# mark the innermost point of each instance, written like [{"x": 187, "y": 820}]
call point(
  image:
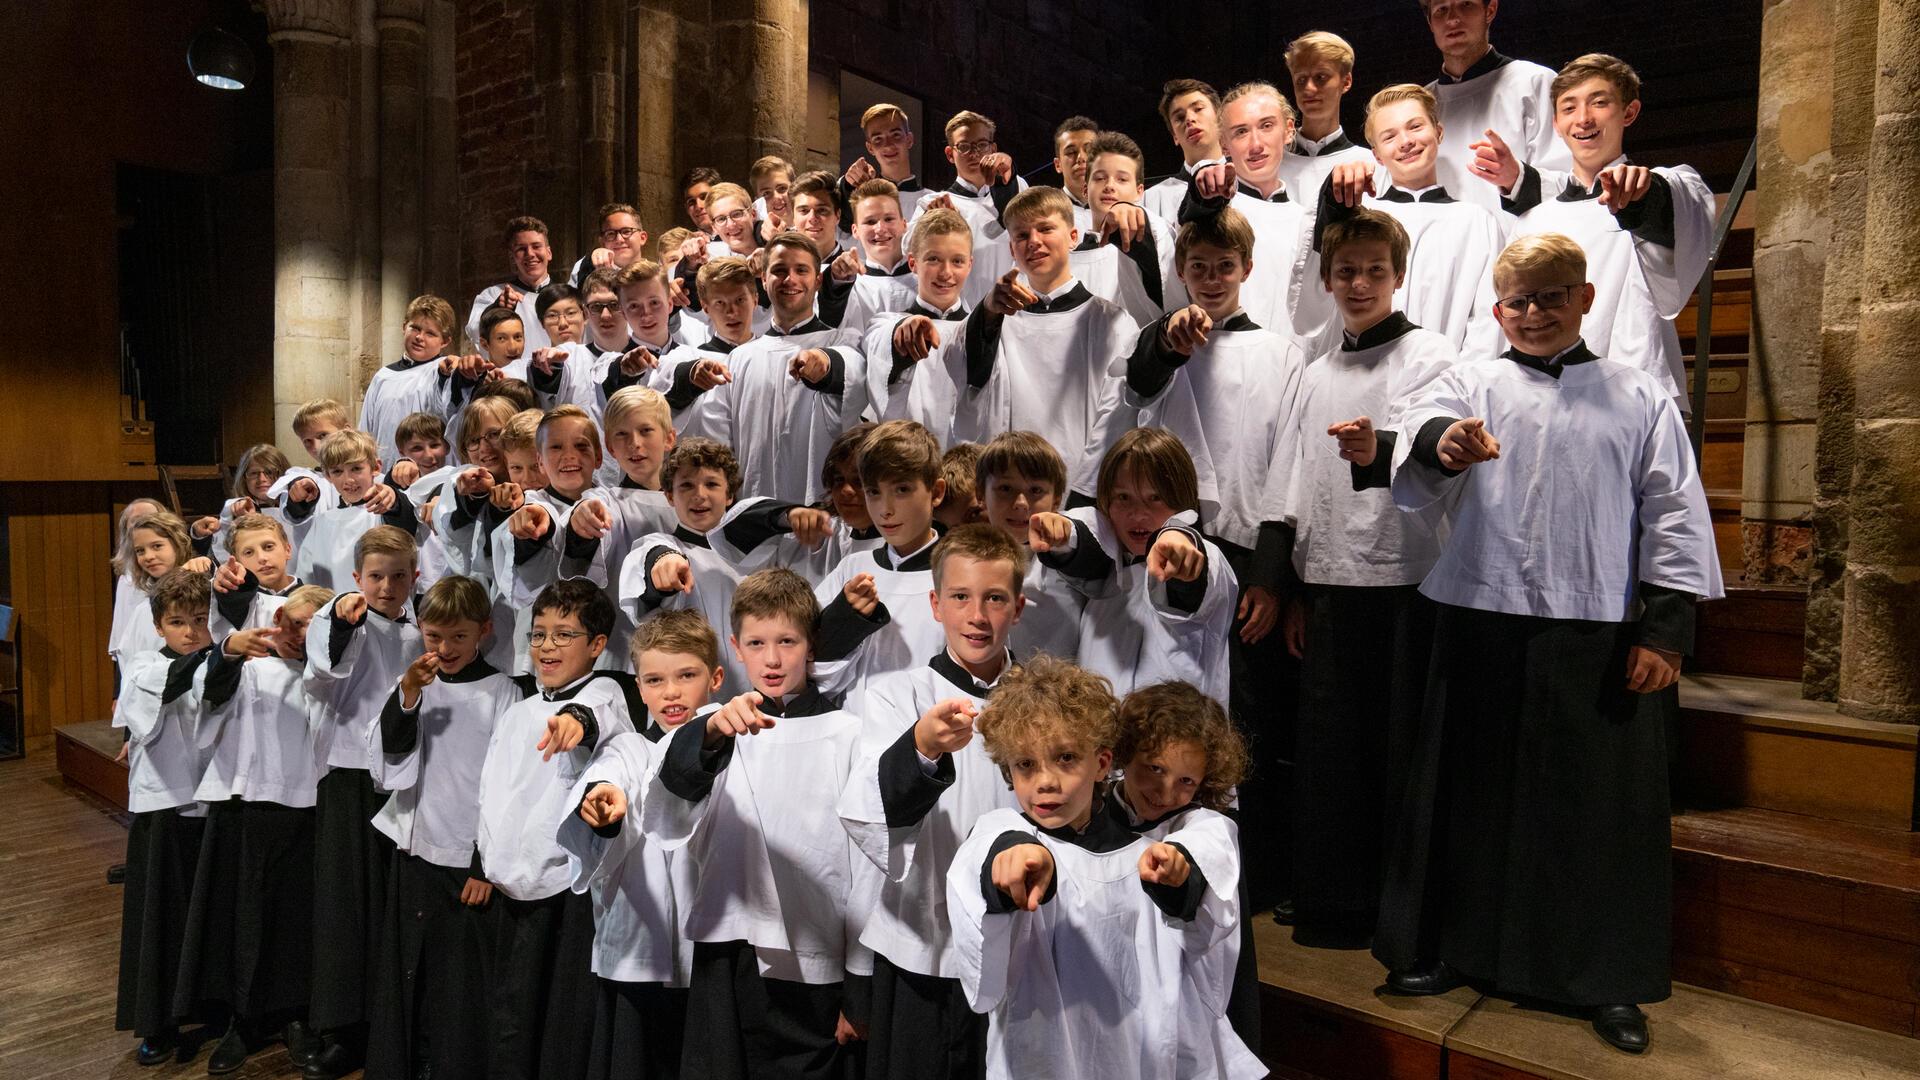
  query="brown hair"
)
[
  {"x": 1115, "y": 142},
  {"x": 384, "y": 540},
  {"x": 876, "y": 188},
  {"x": 967, "y": 118},
  {"x": 169, "y": 526},
  {"x": 681, "y": 631},
  {"x": 1021, "y": 452},
  {"x": 795, "y": 240},
  {"x": 455, "y": 599},
  {"x": 957, "y": 467},
  {"x": 699, "y": 453},
  {"x": 524, "y": 223},
  {"x": 818, "y": 182},
  {"x": 1399, "y": 92},
  {"x": 1364, "y": 226},
  {"x": 1044, "y": 698},
  {"x": 433, "y": 308},
  {"x": 699, "y": 174},
  {"x": 1229, "y": 229},
  {"x": 767, "y": 166},
  {"x": 419, "y": 425},
  {"x": 180, "y": 590},
  {"x": 1179, "y": 88},
  {"x": 845, "y": 447},
  {"x": 728, "y": 271},
  {"x": 899, "y": 449},
  {"x": 775, "y": 592},
  {"x": 1320, "y": 45},
  {"x": 1075, "y": 123},
  {"x": 938, "y": 222},
  {"x": 607, "y": 210},
  {"x": 638, "y": 272},
  {"x": 344, "y": 447},
  {"x": 1154, "y": 456},
  {"x": 671, "y": 240},
  {"x": 1625, "y": 80},
  {"x": 497, "y": 407},
  {"x": 982, "y": 543},
  {"x": 522, "y": 431},
  {"x": 1153, "y": 717},
  {"x": 1038, "y": 202},
  {"x": 495, "y": 317},
  {"x": 267, "y": 456}
]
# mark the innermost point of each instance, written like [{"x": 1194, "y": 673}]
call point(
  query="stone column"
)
[
  {"x": 759, "y": 80},
  {"x": 661, "y": 89},
  {"x": 1789, "y": 259},
  {"x": 312, "y": 206},
  {"x": 1879, "y": 667},
  {"x": 401, "y": 26},
  {"x": 1853, "y": 23},
  {"x": 441, "y": 194}
]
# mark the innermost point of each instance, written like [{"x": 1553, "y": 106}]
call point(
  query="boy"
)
[
  {"x": 1321, "y": 67},
  {"x": 1071, "y": 142},
  {"x": 693, "y": 196},
  {"x": 607, "y": 327},
  {"x": 984, "y": 182},
  {"x": 159, "y": 706},
  {"x": 529, "y": 255},
  {"x": 527, "y": 549},
  {"x": 1085, "y": 944},
  {"x": 727, "y": 291},
  {"x": 774, "y": 931},
  {"x": 312, "y": 423},
  {"x": 731, "y": 210},
  {"x": 639, "y": 891},
  {"x": 1191, "y": 110},
  {"x": 541, "y": 998},
  {"x": 1160, "y": 609},
  {"x": 1354, "y": 573},
  {"x": 363, "y": 643},
  {"x": 1040, "y": 356},
  {"x": 352, "y": 463},
  {"x": 561, "y": 314},
  {"x": 254, "y": 580},
  {"x": 1449, "y": 280},
  {"x": 910, "y": 375},
  {"x": 1258, "y": 124},
  {"x": 885, "y": 282},
  {"x": 414, "y": 383},
  {"x": 651, "y": 323},
  {"x": 961, "y": 506},
  {"x": 428, "y": 1004},
  {"x": 421, "y": 439},
  {"x": 1019, "y": 475},
  {"x": 817, "y": 216},
  {"x": 504, "y": 338},
  {"x": 1127, "y": 254},
  {"x": 622, "y": 240},
  {"x": 900, "y": 473},
  {"x": 889, "y": 138},
  {"x": 1553, "y": 670},
  {"x": 1647, "y": 233},
  {"x": 249, "y": 937},
  {"x": 1493, "y": 102},
  {"x": 770, "y": 179},
  {"x": 788, "y": 393},
  {"x": 921, "y": 782}
]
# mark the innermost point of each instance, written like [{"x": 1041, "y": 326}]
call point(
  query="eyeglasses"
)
[
  {"x": 974, "y": 148},
  {"x": 733, "y": 215},
  {"x": 561, "y": 638},
  {"x": 618, "y": 234},
  {"x": 491, "y": 438},
  {"x": 1553, "y": 296},
  {"x": 603, "y": 307}
]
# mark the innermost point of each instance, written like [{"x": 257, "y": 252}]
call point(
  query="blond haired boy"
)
[{"x": 1321, "y": 67}]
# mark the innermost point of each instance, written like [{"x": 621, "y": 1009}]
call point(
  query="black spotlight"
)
[{"x": 220, "y": 59}]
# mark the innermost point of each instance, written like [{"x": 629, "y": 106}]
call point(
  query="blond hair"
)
[
  {"x": 568, "y": 412},
  {"x": 982, "y": 543},
  {"x": 1541, "y": 253},
  {"x": 171, "y": 529},
  {"x": 246, "y": 523},
  {"x": 522, "y": 432},
  {"x": 777, "y": 592},
  {"x": 1625, "y": 80},
  {"x": 1319, "y": 45},
  {"x": 384, "y": 540},
  {"x": 434, "y": 309},
  {"x": 320, "y": 409},
  {"x": 683, "y": 631},
  {"x": 671, "y": 240},
  {"x": 638, "y": 272},
  {"x": 343, "y": 448},
  {"x": 133, "y": 511},
  {"x": 1038, "y": 202},
  {"x": 967, "y": 118},
  {"x": 1399, "y": 92},
  {"x": 637, "y": 399},
  {"x": 312, "y": 597},
  {"x": 726, "y": 272},
  {"x": 728, "y": 191},
  {"x": 1044, "y": 700},
  {"x": 939, "y": 222},
  {"x": 884, "y": 111},
  {"x": 1249, "y": 89}
]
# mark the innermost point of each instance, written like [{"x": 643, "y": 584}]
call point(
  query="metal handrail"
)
[{"x": 1703, "y": 323}]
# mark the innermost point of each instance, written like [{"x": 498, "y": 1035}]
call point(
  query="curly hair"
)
[
  {"x": 1154, "y": 717},
  {"x": 1044, "y": 699}
]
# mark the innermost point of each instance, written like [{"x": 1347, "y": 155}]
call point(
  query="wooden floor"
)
[{"x": 60, "y": 936}]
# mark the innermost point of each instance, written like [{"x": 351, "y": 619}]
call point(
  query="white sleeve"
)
[
  {"x": 592, "y": 858},
  {"x": 1673, "y": 273},
  {"x": 667, "y": 819},
  {"x": 1414, "y": 486},
  {"x": 401, "y": 771},
  {"x": 520, "y": 583},
  {"x": 983, "y": 942},
  {"x": 862, "y": 810},
  {"x": 1676, "y": 548},
  {"x": 138, "y": 708}
]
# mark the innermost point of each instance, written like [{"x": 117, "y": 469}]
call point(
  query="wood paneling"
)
[{"x": 59, "y": 537}]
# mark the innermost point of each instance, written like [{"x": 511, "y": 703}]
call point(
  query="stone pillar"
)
[
  {"x": 601, "y": 110},
  {"x": 759, "y": 80},
  {"x": 1789, "y": 259},
  {"x": 441, "y": 192},
  {"x": 401, "y": 26},
  {"x": 1853, "y": 23},
  {"x": 662, "y": 90},
  {"x": 313, "y": 66},
  {"x": 1879, "y": 668}
]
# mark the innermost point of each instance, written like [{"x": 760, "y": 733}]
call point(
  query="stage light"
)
[{"x": 220, "y": 60}]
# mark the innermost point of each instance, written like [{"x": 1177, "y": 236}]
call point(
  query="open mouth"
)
[
  {"x": 1047, "y": 809},
  {"x": 773, "y": 679},
  {"x": 977, "y": 640},
  {"x": 673, "y": 715}
]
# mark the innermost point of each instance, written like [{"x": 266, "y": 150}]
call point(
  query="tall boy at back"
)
[
  {"x": 529, "y": 254},
  {"x": 1321, "y": 66},
  {"x": 889, "y": 138},
  {"x": 1491, "y": 101},
  {"x": 1191, "y": 110},
  {"x": 413, "y": 383},
  {"x": 1556, "y": 650}
]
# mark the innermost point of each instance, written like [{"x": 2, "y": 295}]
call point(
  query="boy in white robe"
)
[
  {"x": 255, "y": 579},
  {"x": 640, "y": 891},
  {"x": 889, "y": 141},
  {"x": 1321, "y": 67},
  {"x": 1127, "y": 254},
  {"x": 1020, "y": 475},
  {"x": 541, "y": 1000},
  {"x": 1647, "y": 232},
  {"x": 529, "y": 254},
  {"x": 884, "y": 281},
  {"x": 1090, "y": 948},
  {"x": 984, "y": 182},
  {"x": 1578, "y": 541},
  {"x": 727, "y": 291},
  {"x": 555, "y": 469},
  {"x": 909, "y": 373},
  {"x": 921, "y": 782},
  {"x": 417, "y": 382},
  {"x": 1191, "y": 109},
  {"x": 324, "y": 555},
  {"x": 428, "y": 1008},
  {"x": 746, "y": 793},
  {"x": 790, "y": 393},
  {"x": 1491, "y": 102}
]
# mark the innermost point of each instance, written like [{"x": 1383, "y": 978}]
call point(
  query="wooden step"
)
[
  {"x": 85, "y": 754},
  {"x": 1749, "y": 742},
  {"x": 1757, "y": 630},
  {"x": 1815, "y": 915}
]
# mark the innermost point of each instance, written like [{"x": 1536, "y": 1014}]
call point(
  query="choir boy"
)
[
  {"x": 693, "y": 196},
  {"x": 746, "y": 794},
  {"x": 413, "y": 383},
  {"x": 885, "y": 281},
  {"x": 961, "y": 506},
  {"x": 1535, "y": 855},
  {"x": 541, "y": 997},
  {"x": 325, "y": 554},
  {"x": 921, "y": 782},
  {"x": 727, "y": 289},
  {"x": 622, "y": 240},
  {"x": 770, "y": 179},
  {"x": 1071, "y": 141},
  {"x": 529, "y": 255},
  {"x": 911, "y": 362},
  {"x": 1019, "y": 475},
  {"x": 889, "y": 139},
  {"x": 1321, "y": 66},
  {"x": 1126, "y": 256},
  {"x": 427, "y": 1010},
  {"x": 1492, "y": 101},
  {"x": 1093, "y": 951},
  {"x": 255, "y": 578},
  {"x": 1191, "y": 110}
]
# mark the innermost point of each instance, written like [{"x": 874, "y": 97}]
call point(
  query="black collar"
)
[
  {"x": 874, "y": 270},
  {"x": 476, "y": 669},
  {"x": 1402, "y": 195},
  {"x": 911, "y": 183},
  {"x": 525, "y": 289},
  {"x": 167, "y": 651},
  {"x": 572, "y": 690},
  {"x": 1117, "y": 808},
  {"x": 949, "y": 669},
  {"x": 559, "y": 498},
  {"x": 398, "y": 620},
  {"x": 1252, "y": 192},
  {"x": 653, "y": 732},
  {"x": 811, "y": 326},
  {"x": 918, "y": 308},
  {"x": 962, "y": 188},
  {"x": 1577, "y": 353},
  {"x": 1392, "y": 327},
  {"x": 1090, "y": 242},
  {"x": 1490, "y": 62},
  {"x": 1576, "y": 192},
  {"x": 1102, "y": 833},
  {"x": 627, "y": 484},
  {"x": 919, "y": 560},
  {"x": 404, "y": 364},
  {"x": 1340, "y": 142},
  {"x": 682, "y": 533},
  {"x": 718, "y": 345},
  {"x": 1066, "y": 301},
  {"x": 808, "y": 702},
  {"x": 871, "y": 532},
  {"x": 1237, "y": 321}
]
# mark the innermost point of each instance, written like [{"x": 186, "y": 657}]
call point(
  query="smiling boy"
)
[
  {"x": 414, "y": 383},
  {"x": 529, "y": 255}
]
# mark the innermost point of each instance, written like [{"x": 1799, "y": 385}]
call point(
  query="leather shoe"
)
[
  {"x": 302, "y": 1043},
  {"x": 155, "y": 1049},
  {"x": 1283, "y": 912},
  {"x": 230, "y": 1054},
  {"x": 332, "y": 1062},
  {"x": 1438, "y": 978},
  {"x": 1624, "y": 1027}
]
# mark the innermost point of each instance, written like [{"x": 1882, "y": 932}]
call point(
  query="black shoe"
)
[
  {"x": 1624, "y": 1027},
  {"x": 155, "y": 1049},
  {"x": 302, "y": 1044},
  {"x": 1438, "y": 978},
  {"x": 230, "y": 1054},
  {"x": 1283, "y": 912},
  {"x": 331, "y": 1063}
]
